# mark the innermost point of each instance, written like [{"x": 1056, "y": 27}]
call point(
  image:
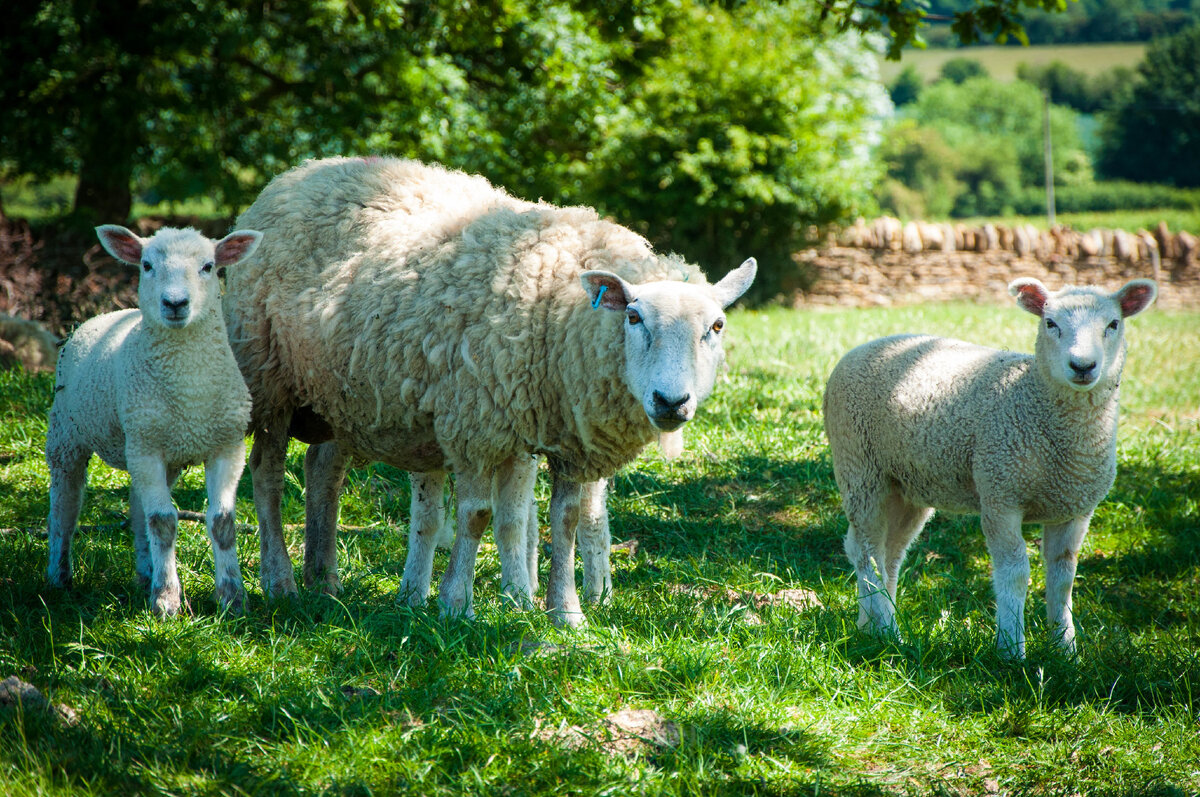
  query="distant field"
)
[
  {"x": 1131, "y": 220},
  {"x": 1001, "y": 62}
]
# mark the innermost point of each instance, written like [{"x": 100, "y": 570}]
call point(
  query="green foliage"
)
[
  {"x": 962, "y": 69},
  {"x": 1076, "y": 88},
  {"x": 735, "y": 153},
  {"x": 906, "y": 87},
  {"x": 1153, "y": 135},
  {"x": 1086, "y": 21},
  {"x": 357, "y": 695},
  {"x": 922, "y": 170}
]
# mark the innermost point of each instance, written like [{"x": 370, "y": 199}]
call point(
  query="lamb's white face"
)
[
  {"x": 674, "y": 338},
  {"x": 1082, "y": 336},
  {"x": 178, "y": 269}
]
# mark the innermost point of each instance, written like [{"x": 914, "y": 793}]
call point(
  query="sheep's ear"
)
[
  {"x": 735, "y": 283},
  {"x": 1031, "y": 294},
  {"x": 237, "y": 246},
  {"x": 607, "y": 290},
  {"x": 1136, "y": 296},
  {"x": 121, "y": 243}
]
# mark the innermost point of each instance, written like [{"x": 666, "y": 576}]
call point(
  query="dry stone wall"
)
[{"x": 885, "y": 262}]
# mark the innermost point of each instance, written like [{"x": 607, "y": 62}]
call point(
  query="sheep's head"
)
[
  {"x": 178, "y": 269},
  {"x": 1081, "y": 340},
  {"x": 674, "y": 337}
]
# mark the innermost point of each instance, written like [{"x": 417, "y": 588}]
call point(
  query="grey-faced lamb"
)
[
  {"x": 917, "y": 423},
  {"x": 422, "y": 317},
  {"x": 152, "y": 391}
]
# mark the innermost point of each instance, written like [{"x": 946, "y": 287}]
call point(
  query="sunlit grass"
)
[{"x": 355, "y": 695}]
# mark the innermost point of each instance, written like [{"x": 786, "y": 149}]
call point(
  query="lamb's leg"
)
[
  {"x": 324, "y": 476},
  {"x": 1060, "y": 547},
  {"x": 1010, "y": 577},
  {"x": 532, "y": 540},
  {"x": 905, "y": 522},
  {"x": 424, "y": 528},
  {"x": 267, "y": 459},
  {"x": 562, "y": 602},
  {"x": 68, "y": 477},
  {"x": 474, "y": 512},
  {"x": 137, "y": 524},
  {"x": 148, "y": 478},
  {"x": 866, "y": 547},
  {"x": 221, "y": 474},
  {"x": 595, "y": 542},
  {"x": 512, "y": 491}
]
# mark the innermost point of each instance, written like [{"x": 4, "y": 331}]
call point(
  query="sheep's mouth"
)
[{"x": 668, "y": 423}]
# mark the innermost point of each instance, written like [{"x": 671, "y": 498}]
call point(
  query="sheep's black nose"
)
[
  {"x": 1082, "y": 369},
  {"x": 175, "y": 307},
  {"x": 666, "y": 406}
]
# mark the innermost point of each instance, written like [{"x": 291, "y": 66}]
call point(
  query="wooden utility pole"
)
[{"x": 1049, "y": 153}]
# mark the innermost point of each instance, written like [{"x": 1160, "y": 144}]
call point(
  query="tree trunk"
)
[{"x": 112, "y": 134}]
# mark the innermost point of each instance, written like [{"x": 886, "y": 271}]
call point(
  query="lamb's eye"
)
[
  {"x": 146, "y": 266},
  {"x": 207, "y": 267},
  {"x": 634, "y": 317},
  {"x": 718, "y": 325},
  {"x": 1051, "y": 325},
  {"x": 1114, "y": 326}
]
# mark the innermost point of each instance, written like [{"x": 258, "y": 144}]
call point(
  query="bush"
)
[
  {"x": 907, "y": 86},
  {"x": 961, "y": 69},
  {"x": 921, "y": 170},
  {"x": 1077, "y": 89}
]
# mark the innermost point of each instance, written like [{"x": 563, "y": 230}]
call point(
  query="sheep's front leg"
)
[
  {"x": 324, "y": 476},
  {"x": 424, "y": 530},
  {"x": 474, "y": 512},
  {"x": 595, "y": 542},
  {"x": 1010, "y": 577},
  {"x": 68, "y": 476},
  {"x": 1060, "y": 547},
  {"x": 512, "y": 492},
  {"x": 562, "y": 602},
  {"x": 267, "y": 459},
  {"x": 221, "y": 474},
  {"x": 137, "y": 524},
  {"x": 148, "y": 479}
]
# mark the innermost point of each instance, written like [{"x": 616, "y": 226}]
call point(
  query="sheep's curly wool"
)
[{"x": 432, "y": 319}]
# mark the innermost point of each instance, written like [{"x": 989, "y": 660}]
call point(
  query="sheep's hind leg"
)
[
  {"x": 148, "y": 478},
  {"x": 267, "y": 460},
  {"x": 1010, "y": 577},
  {"x": 1060, "y": 547},
  {"x": 512, "y": 492},
  {"x": 866, "y": 547},
  {"x": 532, "y": 540},
  {"x": 324, "y": 476},
  {"x": 425, "y": 522},
  {"x": 562, "y": 601},
  {"x": 595, "y": 542},
  {"x": 474, "y": 512},
  {"x": 221, "y": 475},
  {"x": 68, "y": 477},
  {"x": 905, "y": 522}
]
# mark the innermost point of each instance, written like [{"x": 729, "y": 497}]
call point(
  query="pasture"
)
[
  {"x": 356, "y": 695},
  {"x": 1001, "y": 61}
]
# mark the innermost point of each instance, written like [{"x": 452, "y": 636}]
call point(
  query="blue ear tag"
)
[{"x": 599, "y": 296}]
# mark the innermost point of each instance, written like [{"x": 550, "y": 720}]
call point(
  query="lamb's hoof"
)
[
  {"x": 514, "y": 599},
  {"x": 282, "y": 588},
  {"x": 454, "y": 610},
  {"x": 567, "y": 618},
  {"x": 411, "y": 598},
  {"x": 166, "y": 603},
  {"x": 232, "y": 597}
]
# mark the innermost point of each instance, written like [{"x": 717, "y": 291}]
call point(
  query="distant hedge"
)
[{"x": 1100, "y": 197}]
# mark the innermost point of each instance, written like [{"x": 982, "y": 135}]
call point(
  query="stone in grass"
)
[
  {"x": 629, "y": 732},
  {"x": 14, "y": 692}
]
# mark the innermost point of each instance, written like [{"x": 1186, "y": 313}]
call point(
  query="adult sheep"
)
[
  {"x": 424, "y": 318},
  {"x": 152, "y": 391},
  {"x": 917, "y": 423}
]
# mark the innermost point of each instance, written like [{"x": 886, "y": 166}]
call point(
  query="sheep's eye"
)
[
  {"x": 718, "y": 325},
  {"x": 633, "y": 316},
  {"x": 207, "y": 267},
  {"x": 1113, "y": 326},
  {"x": 1051, "y": 325},
  {"x": 146, "y": 266}
]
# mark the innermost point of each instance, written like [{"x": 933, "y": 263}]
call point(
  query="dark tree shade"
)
[{"x": 1153, "y": 135}]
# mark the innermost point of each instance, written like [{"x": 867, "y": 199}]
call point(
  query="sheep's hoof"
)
[
  {"x": 166, "y": 603},
  {"x": 232, "y": 597},
  {"x": 453, "y": 610},
  {"x": 565, "y": 618}
]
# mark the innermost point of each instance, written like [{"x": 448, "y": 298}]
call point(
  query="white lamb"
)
[
  {"x": 152, "y": 391},
  {"x": 917, "y": 423},
  {"x": 424, "y": 318}
]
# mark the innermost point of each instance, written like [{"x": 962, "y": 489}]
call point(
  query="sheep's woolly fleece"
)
[{"x": 434, "y": 319}]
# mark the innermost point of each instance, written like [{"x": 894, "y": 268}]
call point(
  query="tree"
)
[
  {"x": 907, "y": 86},
  {"x": 1153, "y": 135},
  {"x": 960, "y": 70}
]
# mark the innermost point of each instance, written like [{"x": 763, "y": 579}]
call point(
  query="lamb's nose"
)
[
  {"x": 1082, "y": 369},
  {"x": 175, "y": 306},
  {"x": 666, "y": 406}
]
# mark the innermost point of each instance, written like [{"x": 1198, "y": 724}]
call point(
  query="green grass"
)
[
  {"x": 1001, "y": 62},
  {"x": 359, "y": 696},
  {"x": 1131, "y": 220}
]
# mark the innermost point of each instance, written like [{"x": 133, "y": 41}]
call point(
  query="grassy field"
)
[
  {"x": 1001, "y": 62},
  {"x": 355, "y": 695},
  {"x": 1131, "y": 220}
]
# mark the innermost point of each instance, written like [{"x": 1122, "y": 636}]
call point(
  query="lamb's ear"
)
[
  {"x": 1031, "y": 294},
  {"x": 607, "y": 290},
  {"x": 735, "y": 283},
  {"x": 237, "y": 246},
  {"x": 121, "y": 243},
  {"x": 1136, "y": 296}
]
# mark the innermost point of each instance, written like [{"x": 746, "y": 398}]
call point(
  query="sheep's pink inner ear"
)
[
  {"x": 236, "y": 246},
  {"x": 1031, "y": 297},
  {"x": 1136, "y": 297},
  {"x": 606, "y": 290},
  {"x": 121, "y": 243}
]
